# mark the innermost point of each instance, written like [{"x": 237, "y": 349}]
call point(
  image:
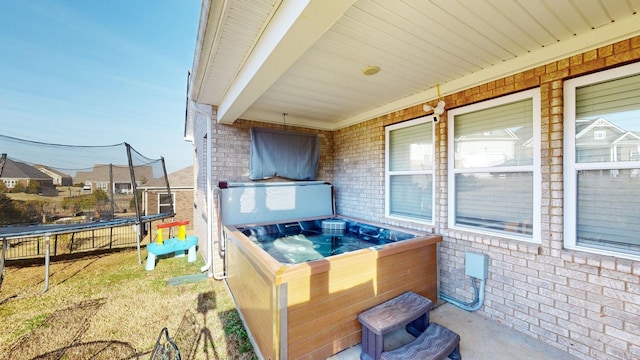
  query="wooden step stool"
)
[
  {"x": 409, "y": 309},
  {"x": 435, "y": 343}
]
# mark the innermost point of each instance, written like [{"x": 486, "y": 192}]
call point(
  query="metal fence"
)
[
  {"x": 70, "y": 240},
  {"x": 109, "y": 236},
  {"x": 79, "y": 241}
]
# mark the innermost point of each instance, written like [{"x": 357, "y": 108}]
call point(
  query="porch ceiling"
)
[{"x": 256, "y": 60}]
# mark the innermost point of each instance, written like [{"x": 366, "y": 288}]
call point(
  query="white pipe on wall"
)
[
  {"x": 210, "y": 265},
  {"x": 207, "y": 157}
]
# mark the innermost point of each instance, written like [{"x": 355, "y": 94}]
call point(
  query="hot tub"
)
[
  {"x": 307, "y": 306},
  {"x": 296, "y": 242}
]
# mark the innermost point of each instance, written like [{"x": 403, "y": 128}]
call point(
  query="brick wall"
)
[
  {"x": 585, "y": 304},
  {"x": 231, "y": 144},
  {"x": 359, "y": 170},
  {"x": 184, "y": 204}
]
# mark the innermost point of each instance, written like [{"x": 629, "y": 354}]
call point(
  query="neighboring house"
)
[
  {"x": 14, "y": 172},
  {"x": 155, "y": 198},
  {"x": 600, "y": 140},
  {"x": 59, "y": 178},
  {"x": 102, "y": 175},
  {"x": 553, "y": 198}
]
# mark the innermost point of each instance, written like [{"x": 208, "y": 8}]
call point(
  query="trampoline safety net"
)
[{"x": 45, "y": 183}]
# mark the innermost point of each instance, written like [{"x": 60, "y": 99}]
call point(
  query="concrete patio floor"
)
[{"x": 480, "y": 339}]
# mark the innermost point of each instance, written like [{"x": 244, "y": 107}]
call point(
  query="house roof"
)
[
  {"x": 19, "y": 170},
  {"x": 260, "y": 60},
  {"x": 100, "y": 172},
  {"x": 181, "y": 178},
  {"x": 52, "y": 171},
  {"x": 612, "y": 134}
]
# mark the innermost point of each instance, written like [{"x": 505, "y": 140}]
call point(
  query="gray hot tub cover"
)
[{"x": 281, "y": 153}]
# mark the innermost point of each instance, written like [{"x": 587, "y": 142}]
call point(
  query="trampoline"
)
[
  {"x": 20, "y": 231},
  {"x": 62, "y": 180},
  {"x": 8, "y": 233}
]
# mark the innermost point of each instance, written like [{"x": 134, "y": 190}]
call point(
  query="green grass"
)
[
  {"x": 234, "y": 327},
  {"x": 111, "y": 306}
]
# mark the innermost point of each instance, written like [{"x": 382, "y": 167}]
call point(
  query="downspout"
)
[
  {"x": 210, "y": 265},
  {"x": 221, "y": 236},
  {"x": 207, "y": 160}
]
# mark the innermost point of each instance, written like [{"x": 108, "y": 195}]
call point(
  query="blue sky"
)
[{"x": 96, "y": 72}]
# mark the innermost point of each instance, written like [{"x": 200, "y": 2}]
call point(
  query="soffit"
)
[{"x": 258, "y": 60}]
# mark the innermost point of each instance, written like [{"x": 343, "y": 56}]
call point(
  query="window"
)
[
  {"x": 166, "y": 204},
  {"x": 494, "y": 166},
  {"x": 10, "y": 183},
  {"x": 409, "y": 170},
  {"x": 102, "y": 185},
  {"x": 601, "y": 164}
]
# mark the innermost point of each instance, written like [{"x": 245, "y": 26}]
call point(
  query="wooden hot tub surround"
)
[{"x": 310, "y": 310}]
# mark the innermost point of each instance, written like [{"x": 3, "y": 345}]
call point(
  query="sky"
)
[{"x": 96, "y": 72}]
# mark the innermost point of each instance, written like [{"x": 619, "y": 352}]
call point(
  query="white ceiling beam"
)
[{"x": 295, "y": 27}]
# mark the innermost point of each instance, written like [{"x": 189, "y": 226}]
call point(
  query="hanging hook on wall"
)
[{"x": 284, "y": 119}]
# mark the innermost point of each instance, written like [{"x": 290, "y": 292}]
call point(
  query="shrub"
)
[
  {"x": 11, "y": 212},
  {"x": 32, "y": 188},
  {"x": 18, "y": 188}
]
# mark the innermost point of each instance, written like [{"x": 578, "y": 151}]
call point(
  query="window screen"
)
[
  {"x": 410, "y": 170},
  {"x": 493, "y": 155},
  {"x": 605, "y": 172}
]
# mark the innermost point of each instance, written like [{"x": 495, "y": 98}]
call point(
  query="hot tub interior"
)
[{"x": 308, "y": 240}]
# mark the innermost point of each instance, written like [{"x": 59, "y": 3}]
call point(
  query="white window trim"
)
[
  {"x": 10, "y": 183},
  {"x": 388, "y": 173},
  {"x": 570, "y": 168},
  {"x": 173, "y": 201},
  {"x": 535, "y": 168}
]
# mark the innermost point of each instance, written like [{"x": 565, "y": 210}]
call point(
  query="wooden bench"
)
[
  {"x": 435, "y": 343},
  {"x": 409, "y": 310}
]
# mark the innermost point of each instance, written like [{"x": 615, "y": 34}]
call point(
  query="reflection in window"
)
[
  {"x": 495, "y": 185},
  {"x": 496, "y": 136},
  {"x": 602, "y": 178}
]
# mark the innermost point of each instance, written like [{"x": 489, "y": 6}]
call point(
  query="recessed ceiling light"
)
[{"x": 370, "y": 70}]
